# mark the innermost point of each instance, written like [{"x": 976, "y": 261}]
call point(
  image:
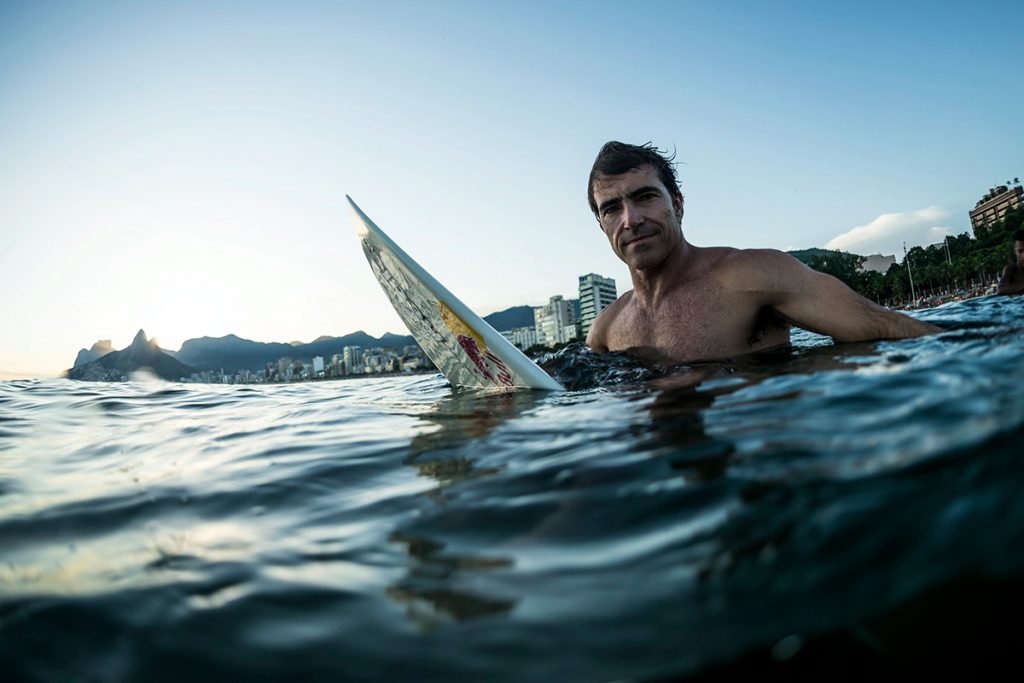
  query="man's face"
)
[
  {"x": 639, "y": 216},
  {"x": 1018, "y": 251}
]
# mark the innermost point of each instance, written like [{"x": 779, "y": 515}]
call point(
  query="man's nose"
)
[{"x": 631, "y": 216}]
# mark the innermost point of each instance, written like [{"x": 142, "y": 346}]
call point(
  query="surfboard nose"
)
[{"x": 362, "y": 221}]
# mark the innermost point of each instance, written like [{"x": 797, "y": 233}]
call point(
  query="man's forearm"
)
[
  {"x": 903, "y": 326},
  {"x": 878, "y": 322}
]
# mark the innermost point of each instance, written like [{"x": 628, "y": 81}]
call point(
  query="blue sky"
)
[{"x": 181, "y": 167}]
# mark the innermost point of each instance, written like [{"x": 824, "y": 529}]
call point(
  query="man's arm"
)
[
  {"x": 821, "y": 303},
  {"x": 596, "y": 339},
  {"x": 1011, "y": 282}
]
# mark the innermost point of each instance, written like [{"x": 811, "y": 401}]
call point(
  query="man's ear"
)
[{"x": 677, "y": 204}]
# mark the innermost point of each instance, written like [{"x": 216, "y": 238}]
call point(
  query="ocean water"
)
[{"x": 833, "y": 509}]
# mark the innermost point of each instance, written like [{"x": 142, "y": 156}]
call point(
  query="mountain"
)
[
  {"x": 511, "y": 318},
  {"x": 232, "y": 353},
  {"x": 396, "y": 340},
  {"x": 98, "y": 350},
  {"x": 141, "y": 354}
]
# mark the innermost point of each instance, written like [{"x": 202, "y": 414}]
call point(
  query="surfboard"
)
[{"x": 468, "y": 351}]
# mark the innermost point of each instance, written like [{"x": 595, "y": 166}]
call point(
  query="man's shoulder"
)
[
  {"x": 742, "y": 265},
  {"x": 1011, "y": 281},
  {"x": 613, "y": 310},
  {"x": 726, "y": 257},
  {"x": 598, "y": 335},
  {"x": 1012, "y": 274}
]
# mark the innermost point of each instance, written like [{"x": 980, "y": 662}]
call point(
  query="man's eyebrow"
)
[
  {"x": 642, "y": 190},
  {"x": 632, "y": 195}
]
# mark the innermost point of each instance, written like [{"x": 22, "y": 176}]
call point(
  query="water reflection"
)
[
  {"x": 448, "y": 454},
  {"x": 429, "y": 592},
  {"x": 462, "y": 419},
  {"x": 683, "y": 396}
]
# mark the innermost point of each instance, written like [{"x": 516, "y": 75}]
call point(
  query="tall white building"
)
[
  {"x": 353, "y": 356},
  {"x": 555, "y": 322},
  {"x": 596, "y": 294},
  {"x": 318, "y": 365}
]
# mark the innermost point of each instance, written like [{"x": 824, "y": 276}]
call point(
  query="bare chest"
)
[{"x": 698, "y": 323}]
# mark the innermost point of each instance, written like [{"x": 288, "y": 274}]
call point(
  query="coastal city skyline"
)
[
  {"x": 184, "y": 169},
  {"x": 558, "y": 322}
]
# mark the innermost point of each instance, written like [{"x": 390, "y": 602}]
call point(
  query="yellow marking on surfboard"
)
[{"x": 459, "y": 326}]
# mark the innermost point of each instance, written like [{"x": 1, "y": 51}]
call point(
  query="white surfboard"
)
[{"x": 468, "y": 351}]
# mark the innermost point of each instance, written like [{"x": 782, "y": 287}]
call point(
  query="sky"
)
[{"x": 182, "y": 167}]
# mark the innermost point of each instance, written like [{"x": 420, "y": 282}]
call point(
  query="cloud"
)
[{"x": 887, "y": 233}]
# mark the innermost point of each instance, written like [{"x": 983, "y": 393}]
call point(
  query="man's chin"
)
[{"x": 643, "y": 264}]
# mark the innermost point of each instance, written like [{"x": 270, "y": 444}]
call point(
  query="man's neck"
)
[{"x": 651, "y": 285}]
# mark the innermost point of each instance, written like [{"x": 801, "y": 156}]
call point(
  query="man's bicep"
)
[
  {"x": 801, "y": 295},
  {"x": 821, "y": 303},
  {"x": 824, "y": 304}
]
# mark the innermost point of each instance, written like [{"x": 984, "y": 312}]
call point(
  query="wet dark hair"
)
[
  {"x": 616, "y": 158},
  {"x": 1019, "y": 235}
]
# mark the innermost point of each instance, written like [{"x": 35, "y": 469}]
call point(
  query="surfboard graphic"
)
[{"x": 468, "y": 351}]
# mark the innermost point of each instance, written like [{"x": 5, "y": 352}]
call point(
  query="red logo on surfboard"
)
[{"x": 486, "y": 362}]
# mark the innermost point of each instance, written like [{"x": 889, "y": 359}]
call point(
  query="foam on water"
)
[{"x": 854, "y": 503}]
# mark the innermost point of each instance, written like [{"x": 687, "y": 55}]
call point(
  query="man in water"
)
[
  {"x": 1012, "y": 281},
  {"x": 701, "y": 303}
]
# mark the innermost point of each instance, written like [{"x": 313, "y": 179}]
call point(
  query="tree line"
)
[{"x": 961, "y": 262}]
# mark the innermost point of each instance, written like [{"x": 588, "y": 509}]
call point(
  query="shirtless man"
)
[
  {"x": 1012, "y": 281},
  {"x": 702, "y": 303}
]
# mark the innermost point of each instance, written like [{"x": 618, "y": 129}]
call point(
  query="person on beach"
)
[
  {"x": 692, "y": 303},
  {"x": 1012, "y": 281}
]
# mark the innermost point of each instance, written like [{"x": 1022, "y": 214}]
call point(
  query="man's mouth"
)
[{"x": 636, "y": 240}]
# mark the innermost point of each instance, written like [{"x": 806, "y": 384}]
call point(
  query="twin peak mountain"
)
[{"x": 115, "y": 365}]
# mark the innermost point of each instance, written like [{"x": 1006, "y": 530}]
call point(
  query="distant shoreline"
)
[{"x": 18, "y": 377}]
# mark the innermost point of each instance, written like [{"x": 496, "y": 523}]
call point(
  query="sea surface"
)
[{"x": 836, "y": 509}]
